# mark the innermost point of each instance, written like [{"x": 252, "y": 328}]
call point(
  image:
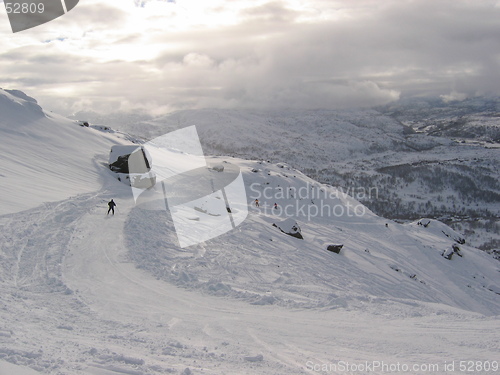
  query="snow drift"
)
[{"x": 45, "y": 157}]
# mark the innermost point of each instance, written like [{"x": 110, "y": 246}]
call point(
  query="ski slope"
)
[
  {"x": 46, "y": 157},
  {"x": 88, "y": 293},
  {"x": 452, "y": 177}
]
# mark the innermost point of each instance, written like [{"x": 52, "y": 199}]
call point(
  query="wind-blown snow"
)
[
  {"x": 45, "y": 157},
  {"x": 88, "y": 293}
]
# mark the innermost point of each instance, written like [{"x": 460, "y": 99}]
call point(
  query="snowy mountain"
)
[
  {"x": 88, "y": 293},
  {"x": 46, "y": 157},
  {"x": 475, "y": 119},
  {"x": 413, "y": 158}
]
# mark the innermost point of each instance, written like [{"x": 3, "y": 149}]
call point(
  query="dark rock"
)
[
  {"x": 457, "y": 250},
  {"x": 121, "y": 158},
  {"x": 120, "y": 165},
  {"x": 335, "y": 248},
  {"x": 290, "y": 227},
  {"x": 447, "y": 254},
  {"x": 454, "y": 249},
  {"x": 218, "y": 168}
]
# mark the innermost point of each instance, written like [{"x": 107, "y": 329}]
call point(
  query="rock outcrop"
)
[{"x": 289, "y": 226}]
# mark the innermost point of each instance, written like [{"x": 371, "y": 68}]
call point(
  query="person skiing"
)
[
  {"x": 111, "y": 205},
  {"x": 276, "y": 206},
  {"x": 256, "y": 203}
]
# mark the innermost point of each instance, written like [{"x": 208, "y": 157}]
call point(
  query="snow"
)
[
  {"x": 288, "y": 226},
  {"x": 9, "y": 368},
  {"x": 45, "y": 157},
  {"x": 407, "y": 173},
  {"x": 88, "y": 293}
]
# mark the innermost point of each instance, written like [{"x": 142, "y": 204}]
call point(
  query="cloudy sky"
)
[{"x": 159, "y": 56}]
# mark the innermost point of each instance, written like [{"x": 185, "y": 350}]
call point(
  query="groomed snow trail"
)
[
  {"x": 230, "y": 336},
  {"x": 73, "y": 304}
]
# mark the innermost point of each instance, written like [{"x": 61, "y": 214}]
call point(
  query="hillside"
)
[
  {"x": 88, "y": 293},
  {"x": 395, "y": 159},
  {"x": 475, "y": 119},
  {"x": 46, "y": 157}
]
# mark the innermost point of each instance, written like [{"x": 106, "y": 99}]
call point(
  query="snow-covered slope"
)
[
  {"x": 88, "y": 293},
  {"x": 393, "y": 261},
  {"x": 396, "y": 152},
  {"x": 45, "y": 157},
  {"x": 473, "y": 119},
  {"x": 317, "y": 136}
]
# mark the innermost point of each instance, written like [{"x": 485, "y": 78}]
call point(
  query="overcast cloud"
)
[{"x": 159, "y": 56}]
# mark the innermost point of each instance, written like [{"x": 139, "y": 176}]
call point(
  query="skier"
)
[
  {"x": 111, "y": 205},
  {"x": 256, "y": 203},
  {"x": 276, "y": 206}
]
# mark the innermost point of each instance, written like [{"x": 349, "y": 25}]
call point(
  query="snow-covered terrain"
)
[
  {"x": 476, "y": 119},
  {"x": 88, "y": 293},
  {"x": 415, "y": 158},
  {"x": 45, "y": 157}
]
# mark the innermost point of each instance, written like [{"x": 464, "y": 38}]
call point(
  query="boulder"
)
[
  {"x": 132, "y": 164},
  {"x": 123, "y": 158},
  {"x": 335, "y": 248},
  {"x": 218, "y": 168},
  {"x": 447, "y": 254},
  {"x": 120, "y": 165},
  {"x": 289, "y": 226},
  {"x": 454, "y": 249},
  {"x": 457, "y": 250}
]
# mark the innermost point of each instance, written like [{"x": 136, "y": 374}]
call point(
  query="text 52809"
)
[{"x": 24, "y": 8}]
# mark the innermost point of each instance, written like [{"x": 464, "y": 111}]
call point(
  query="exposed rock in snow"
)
[
  {"x": 440, "y": 228},
  {"x": 290, "y": 227},
  {"x": 218, "y": 168},
  {"x": 257, "y": 358},
  {"x": 454, "y": 249},
  {"x": 132, "y": 164},
  {"x": 335, "y": 248},
  {"x": 122, "y": 158}
]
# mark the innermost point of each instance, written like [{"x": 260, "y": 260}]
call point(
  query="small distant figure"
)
[
  {"x": 386, "y": 225},
  {"x": 256, "y": 203},
  {"x": 111, "y": 205},
  {"x": 276, "y": 206}
]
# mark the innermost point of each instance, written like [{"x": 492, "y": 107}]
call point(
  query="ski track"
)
[{"x": 74, "y": 304}]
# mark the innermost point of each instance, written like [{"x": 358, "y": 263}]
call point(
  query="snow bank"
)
[{"x": 45, "y": 157}]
